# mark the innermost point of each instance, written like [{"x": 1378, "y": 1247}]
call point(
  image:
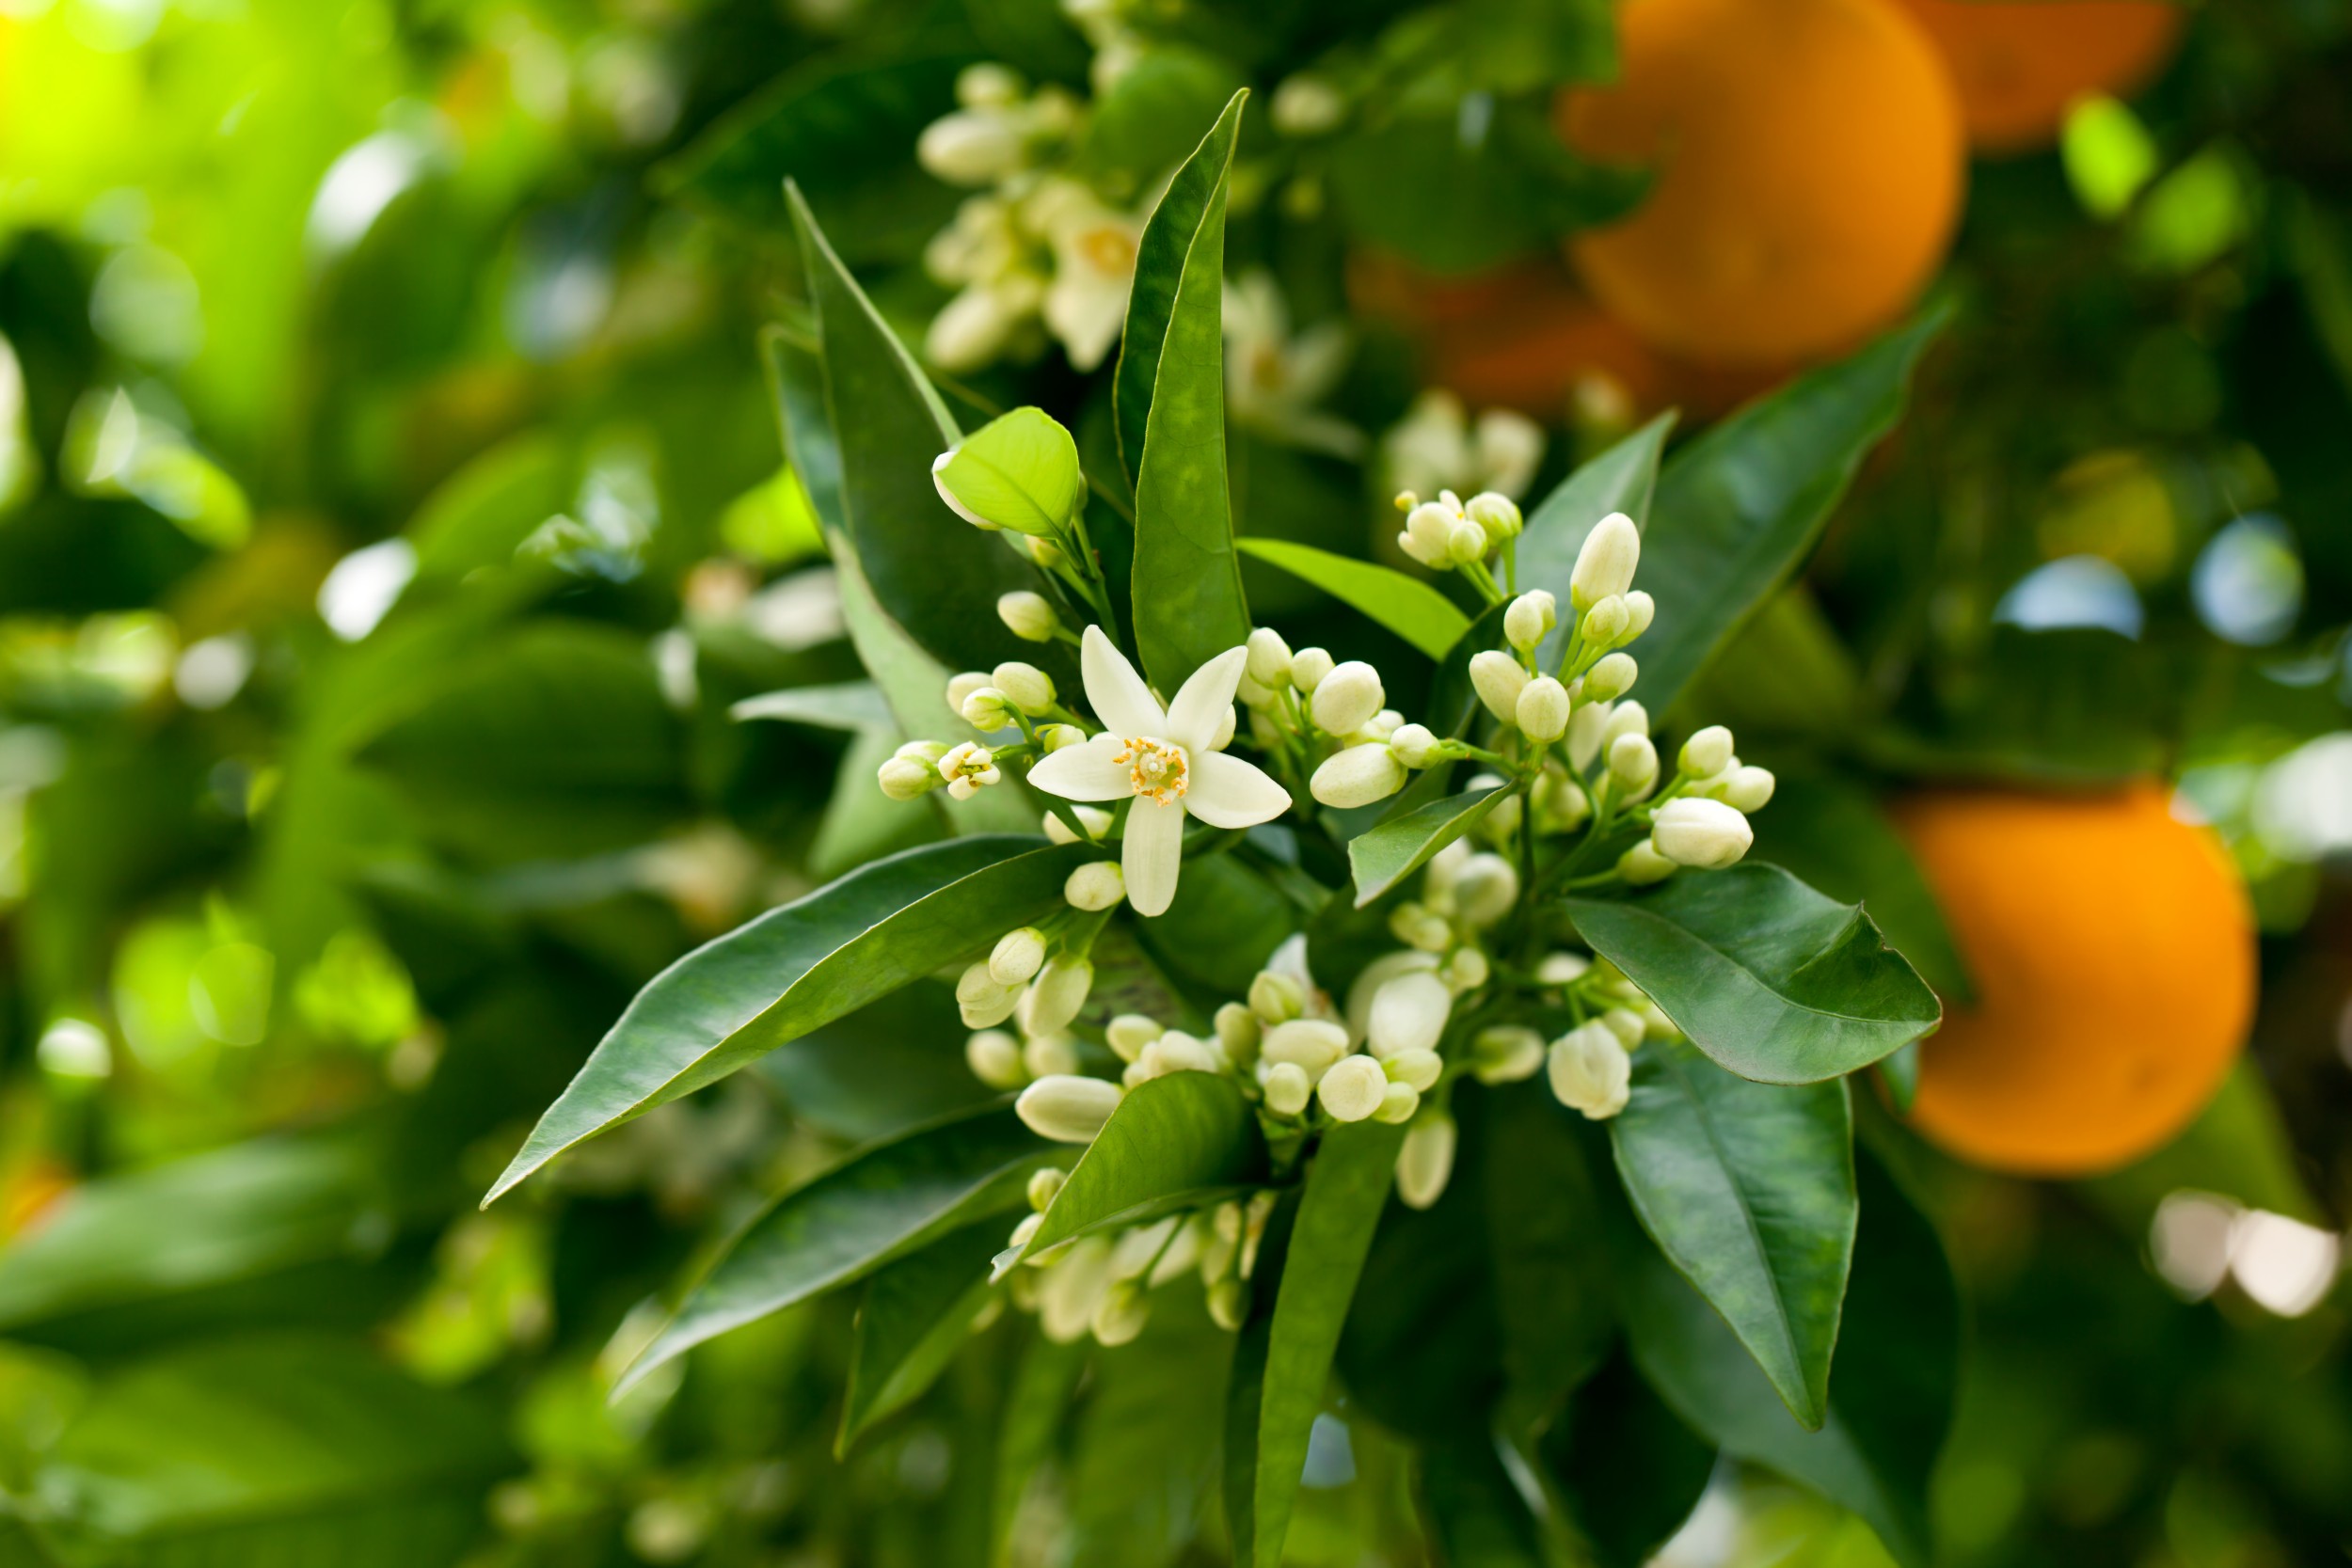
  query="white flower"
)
[
  {"x": 968, "y": 767},
  {"x": 1434, "y": 447},
  {"x": 1707, "y": 834},
  {"x": 1273, "y": 379},
  {"x": 1095, "y": 267},
  {"x": 1591, "y": 1071},
  {"x": 1162, "y": 757}
]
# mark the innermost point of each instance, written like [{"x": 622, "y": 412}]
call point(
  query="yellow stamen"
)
[{"x": 1156, "y": 769}]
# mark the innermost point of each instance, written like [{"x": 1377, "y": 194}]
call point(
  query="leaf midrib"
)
[{"x": 1761, "y": 984}]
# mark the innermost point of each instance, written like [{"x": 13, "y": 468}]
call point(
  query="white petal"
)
[
  {"x": 1226, "y": 792},
  {"x": 1153, "y": 852},
  {"x": 1200, "y": 708},
  {"x": 1085, "y": 773},
  {"x": 1118, "y": 695}
]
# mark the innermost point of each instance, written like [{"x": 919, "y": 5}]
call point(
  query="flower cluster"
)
[
  {"x": 1437, "y": 446},
  {"x": 1100, "y": 1284}
]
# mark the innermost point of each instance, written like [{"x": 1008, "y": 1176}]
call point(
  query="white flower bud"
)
[
  {"x": 1416, "y": 746},
  {"x": 1275, "y": 997},
  {"x": 1641, "y": 610},
  {"x": 1498, "y": 679},
  {"x": 988, "y": 710},
  {"x": 1606, "y": 563},
  {"x": 1095, "y": 821},
  {"x": 1408, "y": 1014},
  {"x": 1498, "y": 514},
  {"x": 1705, "y": 834},
  {"x": 1307, "y": 668},
  {"x": 1346, "y": 699},
  {"x": 1466, "y": 971},
  {"x": 1026, "y": 686},
  {"x": 1044, "y": 1055},
  {"x": 1047, "y": 554},
  {"x": 1591, "y": 1071},
  {"x": 1352, "y": 1089},
  {"x": 1506, "y": 1053},
  {"x": 1611, "y": 678},
  {"x": 1747, "y": 789},
  {"x": 1530, "y": 619},
  {"x": 1543, "y": 710},
  {"x": 1418, "y": 927},
  {"x": 1238, "y": 1031},
  {"x": 1380, "y": 727},
  {"x": 1466, "y": 543},
  {"x": 1124, "y": 1311},
  {"x": 968, "y": 767},
  {"x": 1056, "y": 996},
  {"x": 1229, "y": 1305},
  {"x": 1311, "y": 1044},
  {"x": 962, "y": 685},
  {"x": 1626, "y": 1024},
  {"x": 1587, "y": 728},
  {"x": 1708, "y": 753},
  {"x": 908, "y": 778},
  {"x": 1428, "y": 535},
  {"x": 1071, "y": 1290},
  {"x": 1655, "y": 1025},
  {"x": 1095, "y": 886},
  {"x": 970, "y": 147},
  {"x": 1287, "y": 1088},
  {"x": 1176, "y": 1052},
  {"x": 1066, "y": 1108},
  {"x": 1357, "y": 777},
  {"x": 1634, "y": 763},
  {"x": 1606, "y": 622},
  {"x": 976, "y": 984},
  {"x": 1642, "y": 866},
  {"x": 1129, "y": 1033},
  {"x": 1055, "y": 736},
  {"x": 1425, "y": 1163},
  {"x": 988, "y": 86},
  {"x": 1225, "y": 726},
  {"x": 1562, "y": 967},
  {"x": 1030, "y": 1225},
  {"x": 1305, "y": 104},
  {"x": 1269, "y": 658},
  {"x": 1018, "y": 955},
  {"x": 994, "y": 1058},
  {"x": 1399, "y": 1104},
  {"x": 1420, "y": 1068},
  {"x": 1249, "y": 695},
  {"x": 1028, "y": 616},
  {"x": 1626, "y": 718},
  {"x": 1487, "y": 888}
]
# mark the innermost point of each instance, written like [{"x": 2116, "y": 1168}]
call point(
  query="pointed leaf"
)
[
  {"x": 880, "y": 1204},
  {"x": 1019, "y": 470},
  {"x": 916, "y": 1314},
  {"x": 1622, "y": 479},
  {"x": 1394, "y": 850},
  {"x": 1406, "y": 605},
  {"x": 1476, "y": 1517},
  {"x": 1629, "y": 1469},
  {"x": 1771, "y": 979},
  {"x": 852, "y": 706},
  {"x": 1175, "y": 1140},
  {"x": 1749, "y": 1190},
  {"x": 813, "y": 960},
  {"x": 1187, "y": 583}
]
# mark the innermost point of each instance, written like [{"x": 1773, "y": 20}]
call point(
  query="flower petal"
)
[
  {"x": 1085, "y": 773},
  {"x": 1152, "y": 854},
  {"x": 1226, "y": 792},
  {"x": 1200, "y": 708},
  {"x": 1116, "y": 693}
]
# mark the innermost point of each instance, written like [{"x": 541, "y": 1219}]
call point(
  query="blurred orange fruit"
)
[
  {"x": 2113, "y": 948},
  {"x": 2021, "y": 63},
  {"x": 1808, "y": 162}
]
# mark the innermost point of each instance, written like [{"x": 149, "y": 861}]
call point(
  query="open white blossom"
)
[{"x": 1162, "y": 758}]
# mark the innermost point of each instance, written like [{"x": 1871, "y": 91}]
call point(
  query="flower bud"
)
[
  {"x": 1747, "y": 789},
  {"x": 1043, "y": 551},
  {"x": 988, "y": 86},
  {"x": 1425, "y": 1162},
  {"x": 994, "y": 1058},
  {"x": 988, "y": 710},
  {"x": 1346, "y": 699},
  {"x": 1124, "y": 1311},
  {"x": 1530, "y": 619},
  {"x": 1466, "y": 971},
  {"x": 1655, "y": 1025},
  {"x": 1276, "y": 998},
  {"x": 966, "y": 767},
  {"x": 1056, "y": 996},
  {"x": 962, "y": 685},
  {"x": 908, "y": 778},
  {"x": 1588, "y": 726},
  {"x": 1626, "y": 1024},
  {"x": 1229, "y": 1305},
  {"x": 1506, "y": 1053},
  {"x": 1018, "y": 955},
  {"x": 1066, "y": 1108},
  {"x": 1418, "y": 927},
  {"x": 1428, "y": 535},
  {"x": 1498, "y": 679},
  {"x": 1026, "y": 686},
  {"x": 1353, "y": 1090},
  {"x": 1703, "y": 834},
  {"x": 1562, "y": 967},
  {"x": 1028, "y": 616},
  {"x": 1030, "y": 1225},
  {"x": 1465, "y": 542},
  {"x": 1307, "y": 668},
  {"x": 1357, "y": 777},
  {"x": 1399, "y": 1104},
  {"x": 1238, "y": 1031},
  {"x": 1044, "y": 1185},
  {"x": 969, "y": 148},
  {"x": 1496, "y": 513},
  {"x": 1641, "y": 610},
  {"x": 1605, "y": 623},
  {"x": 977, "y": 985},
  {"x": 1269, "y": 657},
  {"x": 1095, "y": 886},
  {"x": 1420, "y": 1068},
  {"x": 1073, "y": 1289},
  {"x": 1634, "y": 763},
  {"x": 1416, "y": 746},
  {"x": 1485, "y": 889},
  {"x": 1408, "y": 1014},
  {"x": 1305, "y": 104},
  {"x": 1176, "y": 1052},
  {"x": 1606, "y": 562},
  {"x": 1591, "y": 1071},
  {"x": 1543, "y": 710},
  {"x": 1129, "y": 1033},
  {"x": 1311, "y": 1044},
  {"x": 1095, "y": 821},
  {"x": 1053, "y": 738},
  {"x": 1042, "y": 1055},
  {"x": 1611, "y": 678},
  {"x": 1287, "y": 1088},
  {"x": 1642, "y": 866},
  {"x": 1708, "y": 753}
]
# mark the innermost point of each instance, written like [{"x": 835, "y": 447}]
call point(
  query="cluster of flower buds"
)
[
  {"x": 1438, "y": 447},
  {"x": 1446, "y": 534},
  {"x": 1699, "y": 819},
  {"x": 1038, "y": 977},
  {"x": 1308, "y": 712},
  {"x": 1100, "y": 1285},
  {"x": 1014, "y": 706}
]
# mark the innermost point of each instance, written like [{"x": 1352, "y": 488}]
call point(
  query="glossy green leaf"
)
[
  {"x": 1396, "y": 850},
  {"x": 1473, "y": 1512},
  {"x": 1739, "y": 508},
  {"x": 1174, "y": 1139},
  {"x": 1406, "y": 605},
  {"x": 917, "y": 1312},
  {"x": 850, "y": 706},
  {"x": 1020, "y": 471},
  {"x": 1629, "y": 1469},
  {"x": 1774, "y": 980},
  {"x": 1306, "y": 1279},
  {"x": 1749, "y": 1190},
  {"x": 794, "y": 967},
  {"x": 1622, "y": 479},
  {"x": 880, "y": 1204},
  {"x": 1890, "y": 1397},
  {"x": 1552, "y": 1309},
  {"x": 1187, "y": 583}
]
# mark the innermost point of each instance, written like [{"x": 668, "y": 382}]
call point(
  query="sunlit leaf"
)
[{"x": 1406, "y": 605}]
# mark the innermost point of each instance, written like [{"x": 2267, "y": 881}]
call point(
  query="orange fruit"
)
[
  {"x": 1807, "y": 164},
  {"x": 2021, "y": 63},
  {"x": 2113, "y": 948}
]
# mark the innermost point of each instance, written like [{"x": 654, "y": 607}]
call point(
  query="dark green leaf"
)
[
  {"x": 1143, "y": 1454},
  {"x": 1623, "y": 479},
  {"x": 1739, "y": 508},
  {"x": 1181, "y": 1138},
  {"x": 1553, "y": 1310},
  {"x": 916, "y": 1314},
  {"x": 1042, "y": 1386},
  {"x": 1766, "y": 976},
  {"x": 795, "y": 968},
  {"x": 1394, "y": 850},
  {"x": 1225, "y": 923},
  {"x": 1406, "y": 605},
  {"x": 1629, "y": 1469},
  {"x": 1476, "y": 1517},
  {"x": 1749, "y": 1190},
  {"x": 1306, "y": 1279},
  {"x": 1186, "y": 584},
  {"x": 878, "y": 1205}
]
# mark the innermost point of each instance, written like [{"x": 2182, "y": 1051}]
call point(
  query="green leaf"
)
[
  {"x": 1622, "y": 479},
  {"x": 481, "y": 515},
  {"x": 1186, "y": 585},
  {"x": 936, "y": 576},
  {"x": 1775, "y": 981},
  {"x": 878, "y": 1205},
  {"x": 1154, "y": 113},
  {"x": 1553, "y": 1312},
  {"x": 1890, "y": 1398},
  {"x": 1019, "y": 471},
  {"x": 1406, "y": 605},
  {"x": 1225, "y": 923},
  {"x": 1284, "y": 1358},
  {"x": 1475, "y": 1516},
  {"x": 1174, "y": 1140},
  {"x": 1394, "y": 850},
  {"x": 1630, "y": 1470},
  {"x": 1042, "y": 1388},
  {"x": 850, "y": 706},
  {"x": 1749, "y": 1190},
  {"x": 1739, "y": 508},
  {"x": 916, "y": 1314},
  {"x": 1143, "y": 1451},
  {"x": 794, "y": 967}
]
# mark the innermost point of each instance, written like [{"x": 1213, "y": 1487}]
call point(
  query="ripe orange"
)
[
  {"x": 2113, "y": 948},
  {"x": 2021, "y": 63},
  {"x": 1808, "y": 164}
]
